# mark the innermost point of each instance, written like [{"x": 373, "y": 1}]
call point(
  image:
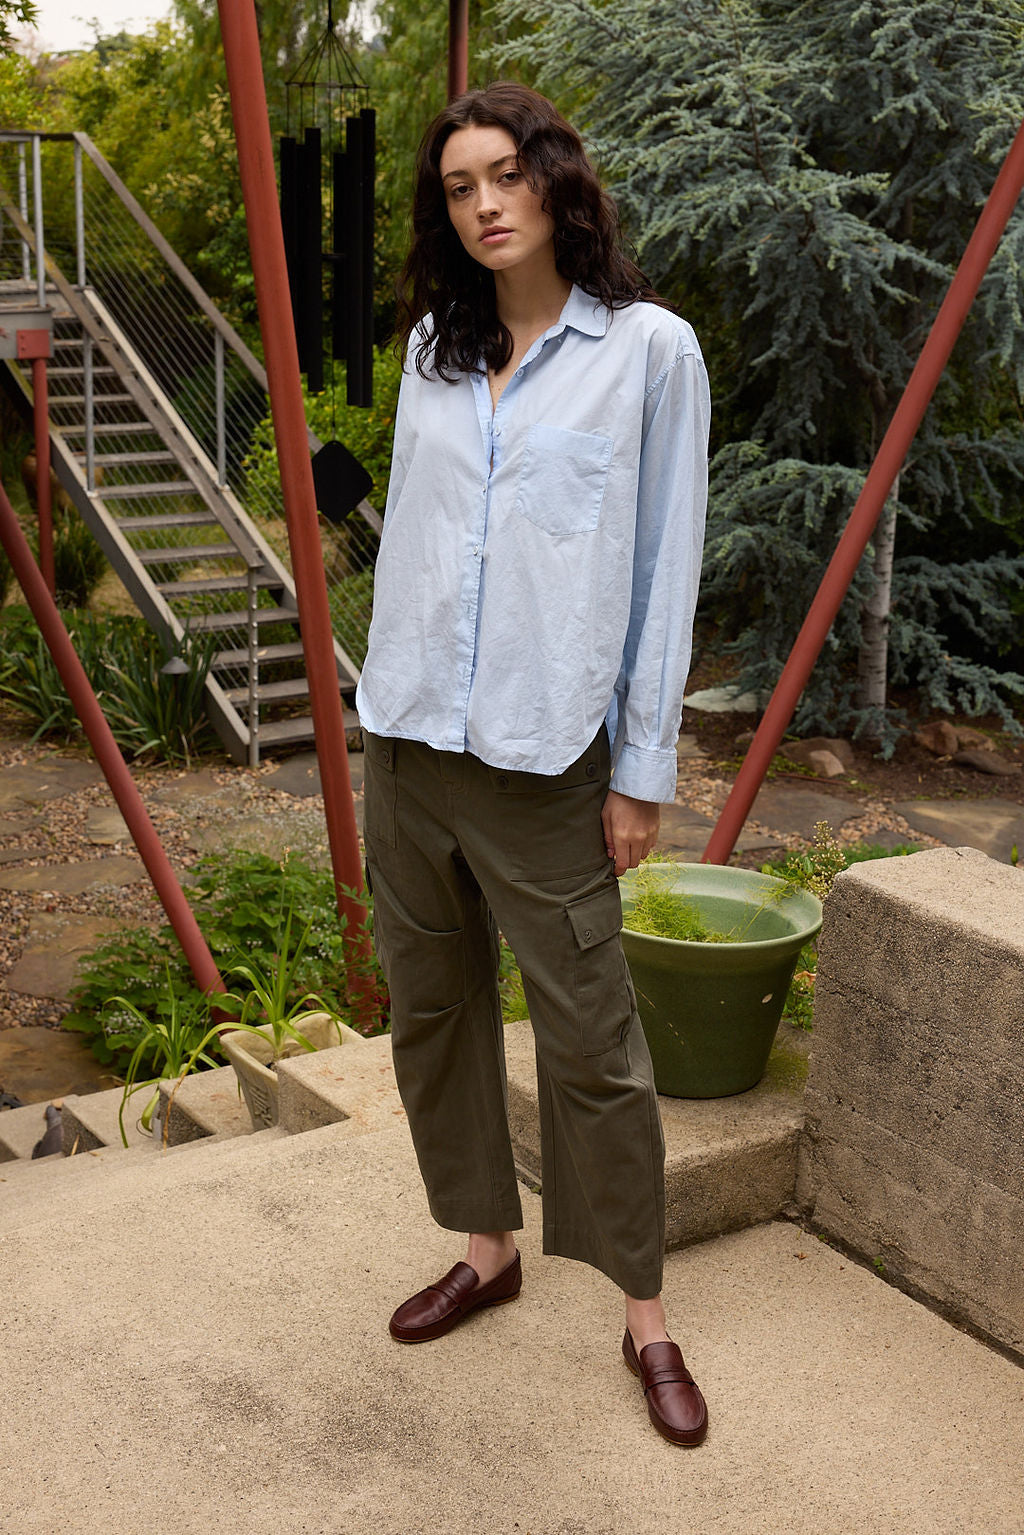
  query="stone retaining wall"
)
[{"x": 914, "y": 1152}]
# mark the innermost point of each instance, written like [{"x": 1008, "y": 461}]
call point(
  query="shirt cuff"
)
[{"x": 649, "y": 775}]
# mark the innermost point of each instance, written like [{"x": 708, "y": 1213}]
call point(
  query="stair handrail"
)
[{"x": 222, "y": 326}]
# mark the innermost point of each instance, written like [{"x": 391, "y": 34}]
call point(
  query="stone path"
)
[{"x": 279, "y": 809}]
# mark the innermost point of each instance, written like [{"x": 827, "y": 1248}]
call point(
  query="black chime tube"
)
[
  {"x": 369, "y": 121},
  {"x": 310, "y": 263},
  {"x": 355, "y": 251}
]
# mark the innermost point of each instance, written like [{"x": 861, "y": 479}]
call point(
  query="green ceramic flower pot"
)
[{"x": 710, "y": 1011}]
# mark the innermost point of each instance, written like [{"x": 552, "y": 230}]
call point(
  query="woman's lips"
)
[{"x": 494, "y": 236}]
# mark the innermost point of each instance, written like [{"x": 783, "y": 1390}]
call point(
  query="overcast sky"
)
[{"x": 66, "y": 24}]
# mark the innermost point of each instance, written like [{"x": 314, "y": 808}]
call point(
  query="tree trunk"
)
[{"x": 873, "y": 659}]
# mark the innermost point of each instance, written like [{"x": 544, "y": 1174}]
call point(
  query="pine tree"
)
[{"x": 801, "y": 180}]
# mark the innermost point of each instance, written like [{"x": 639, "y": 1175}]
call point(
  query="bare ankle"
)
[
  {"x": 489, "y": 1252},
  {"x": 645, "y": 1320}
]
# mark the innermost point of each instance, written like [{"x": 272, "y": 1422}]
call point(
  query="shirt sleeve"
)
[{"x": 671, "y": 507}]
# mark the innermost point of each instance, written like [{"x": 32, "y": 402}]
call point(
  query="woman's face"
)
[{"x": 499, "y": 219}]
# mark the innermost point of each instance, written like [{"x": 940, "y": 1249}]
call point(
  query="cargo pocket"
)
[
  {"x": 380, "y": 790},
  {"x": 562, "y": 480},
  {"x": 602, "y": 988}
]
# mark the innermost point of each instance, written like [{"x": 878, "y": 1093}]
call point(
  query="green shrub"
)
[
  {"x": 241, "y": 902},
  {"x": 78, "y": 560},
  {"x": 149, "y": 712}
]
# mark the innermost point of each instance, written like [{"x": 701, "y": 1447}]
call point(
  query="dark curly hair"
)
[{"x": 441, "y": 279}]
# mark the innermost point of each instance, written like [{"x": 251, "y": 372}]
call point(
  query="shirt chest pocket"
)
[{"x": 562, "y": 479}]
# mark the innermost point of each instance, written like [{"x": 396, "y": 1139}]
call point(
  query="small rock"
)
[
  {"x": 939, "y": 738},
  {"x": 52, "y": 1140},
  {"x": 826, "y": 764},
  {"x": 987, "y": 761},
  {"x": 802, "y": 751},
  {"x": 966, "y": 738},
  {"x": 743, "y": 742}
]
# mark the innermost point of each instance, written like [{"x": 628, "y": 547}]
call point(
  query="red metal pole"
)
[
  {"x": 270, "y": 271},
  {"x": 44, "y": 500},
  {"x": 458, "y": 48},
  {"x": 888, "y": 462},
  {"x": 122, "y": 785}
]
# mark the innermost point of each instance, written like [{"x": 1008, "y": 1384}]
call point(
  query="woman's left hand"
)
[{"x": 630, "y": 829}]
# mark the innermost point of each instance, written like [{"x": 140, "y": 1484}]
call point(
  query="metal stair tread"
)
[
  {"x": 175, "y": 554},
  {"x": 238, "y": 618},
  {"x": 271, "y": 692},
  {"x": 215, "y": 584},
  {"x": 111, "y": 429},
  {"x": 152, "y": 456},
  {"x": 153, "y": 488},
  {"x": 293, "y": 650},
  {"x": 167, "y": 520},
  {"x": 97, "y": 399},
  {"x": 300, "y": 728}
]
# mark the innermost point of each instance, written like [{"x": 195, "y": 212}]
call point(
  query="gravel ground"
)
[
  {"x": 56, "y": 830},
  {"x": 58, "y": 834}
]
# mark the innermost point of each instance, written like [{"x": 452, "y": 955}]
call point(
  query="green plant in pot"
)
[
  {"x": 712, "y": 951},
  {"x": 170, "y": 1046},
  {"x": 284, "y": 1027}
]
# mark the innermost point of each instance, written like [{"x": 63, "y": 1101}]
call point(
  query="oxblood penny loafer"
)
[
  {"x": 674, "y": 1403},
  {"x": 442, "y": 1306}
]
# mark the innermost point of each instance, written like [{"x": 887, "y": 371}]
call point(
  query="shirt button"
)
[
  {"x": 587, "y": 935},
  {"x": 519, "y": 373}
]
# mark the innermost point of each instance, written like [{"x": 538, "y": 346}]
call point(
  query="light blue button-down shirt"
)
[{"x": 539, "y": 564}]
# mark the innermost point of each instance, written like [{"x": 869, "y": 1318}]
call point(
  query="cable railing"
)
[{"x": 101, "y": 238}]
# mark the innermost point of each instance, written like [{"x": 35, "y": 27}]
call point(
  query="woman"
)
[{"x": 533, "y": 606}]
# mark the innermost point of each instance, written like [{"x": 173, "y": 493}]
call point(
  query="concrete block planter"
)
[{"x": 251, "y": 1054}]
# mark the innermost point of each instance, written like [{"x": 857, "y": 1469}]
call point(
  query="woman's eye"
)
[
  {"x": 459, "y": 191},
  {"x": 510, "y": 176}
]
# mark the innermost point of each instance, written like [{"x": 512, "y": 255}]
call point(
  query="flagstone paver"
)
[
  {"x": 52, "y": 950},
  {"x": 38, "y": 1064},
  {"x": 74, "y": 878},
  {"x": 993, "y": 826}
]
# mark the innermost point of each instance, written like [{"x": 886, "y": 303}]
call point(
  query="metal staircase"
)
[{"x": 156, "y": 409}]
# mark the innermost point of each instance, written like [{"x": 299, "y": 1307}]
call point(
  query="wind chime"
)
[{"x": 327, "y": 174}]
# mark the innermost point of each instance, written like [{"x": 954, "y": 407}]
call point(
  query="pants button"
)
[
  {"x": 502, "y": 781},
  {"x": 591, "y": 770}
]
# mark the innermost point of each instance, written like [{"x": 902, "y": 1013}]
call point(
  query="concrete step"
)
[
  {"x": 76, "y": 1187},
  {"x": 206, "y": 1103},
  {"x": 229, "y": 1303},
  {"x": 91, "y": 1120},
  {"x": 729, "y": 1162},
  {"x": 20, "y": 1129}
]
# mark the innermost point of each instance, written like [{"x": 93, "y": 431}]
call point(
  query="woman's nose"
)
[{"x": 487, "y": 203}]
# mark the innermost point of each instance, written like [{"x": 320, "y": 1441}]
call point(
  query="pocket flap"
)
[{"x": 597, "y": 917}]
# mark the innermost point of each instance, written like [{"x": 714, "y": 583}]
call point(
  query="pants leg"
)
[
  {"x": 438, "y": 947},
  {"x": 540, "y": 859},
  {"x": 448, "y": 841}
]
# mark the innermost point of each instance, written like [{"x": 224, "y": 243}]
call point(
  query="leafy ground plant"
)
[
  {"x": 170, "y": 1047},
  {"x": 240, "y": 900},
  {"x": 149, "y": 712}
]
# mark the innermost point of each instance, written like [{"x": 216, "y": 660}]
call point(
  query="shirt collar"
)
[{"x": 582, "y": 312}]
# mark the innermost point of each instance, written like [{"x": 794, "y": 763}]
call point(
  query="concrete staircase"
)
[
  {"x": 198, "y": 1337},
  {"x": 730, "y": 1162}
]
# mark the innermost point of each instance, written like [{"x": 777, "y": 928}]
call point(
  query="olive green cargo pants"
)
[{"x": 456, "y": 850}]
